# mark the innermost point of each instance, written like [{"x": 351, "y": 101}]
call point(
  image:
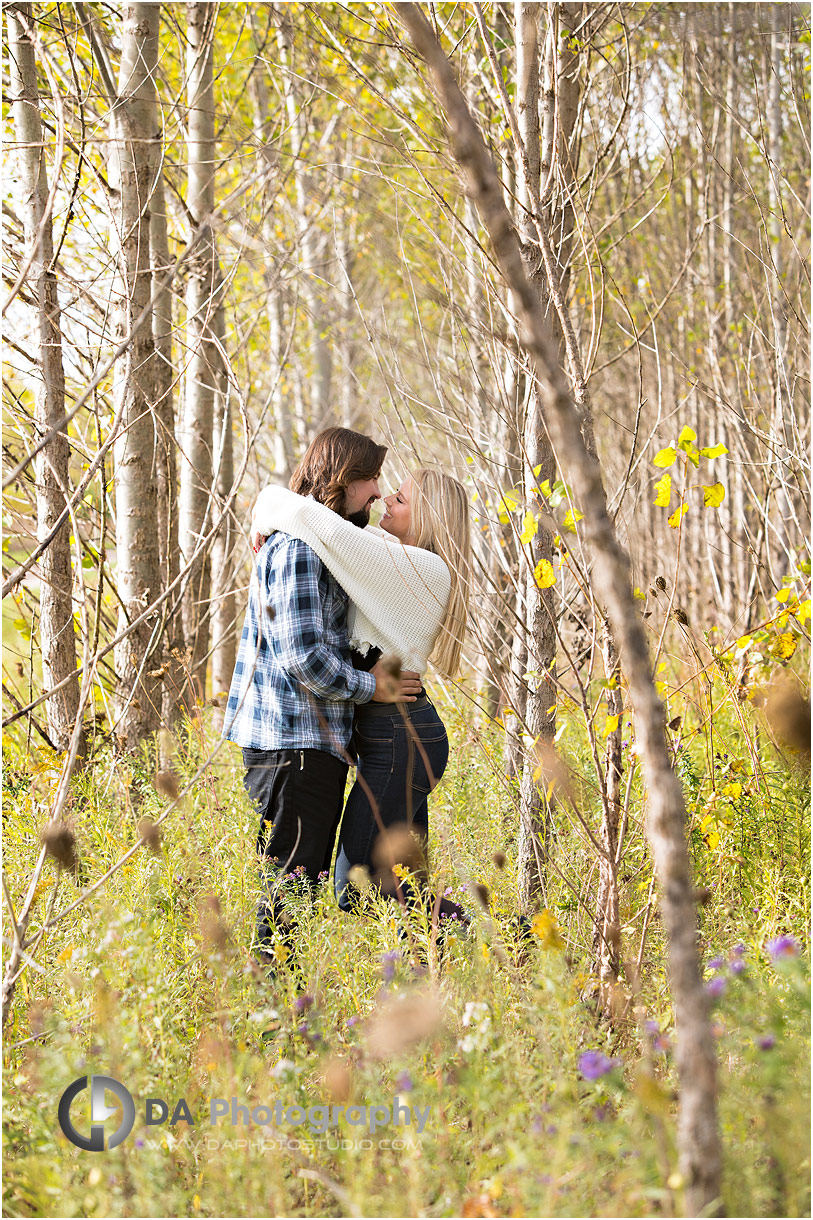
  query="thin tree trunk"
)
[
  {"x": 57, "y": 640},
  {"x": 166, "y": 444},
  {"x": 699, "y": 1144},
  {"x": 224, "y": 640},
  {"x": 137, "y": 562},
  {"x": 195, "y": 440}
]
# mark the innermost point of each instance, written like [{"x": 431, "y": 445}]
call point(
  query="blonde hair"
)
[{"x": 439, "y": 513}]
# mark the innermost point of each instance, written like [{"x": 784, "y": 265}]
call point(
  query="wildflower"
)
[
  {"x": 388, "y": 961},
  {"x": 782, "y": 946},
  {"x": 323, "y": 875},
  {"x": 595, "y": 1064},
  {"x": 737, "y": 966},
  {"x": 716, "y": 986},
  {"x": 652, "y": 1027},
  {"x": 351, "y": 1021},
  {"x": 545, "y": 927},
  {"x": 738, "y": 950},
  {"x": 767, "y": 1042},
  {"x": 302, "y": 1003},
  {"x": 604, "y": 1111},
  {"x": 476, "y": 1011},
  {"x": 447, "y": 892},
  {"x": 284, "y": 1067},
  {"x": 403, "y": 1082},
  {"x": 716, "y": 963}
]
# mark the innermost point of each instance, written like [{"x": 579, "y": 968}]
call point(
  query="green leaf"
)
[
  {"x": 665, "y": 457},
  {"x": 663, "y": 488},
  {"x": 713, "y": 496},
  {"x": 713, "y": 451}
]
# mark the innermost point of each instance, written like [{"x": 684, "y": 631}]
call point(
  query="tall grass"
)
[{"x": 150, "y": 981}]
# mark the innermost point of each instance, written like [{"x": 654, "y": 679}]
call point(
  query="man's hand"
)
[
  {"x": 393, "y": 684},
  {"x": 257, "y": 540}
]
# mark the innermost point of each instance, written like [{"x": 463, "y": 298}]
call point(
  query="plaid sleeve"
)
[{"x": 293, "y": 592}]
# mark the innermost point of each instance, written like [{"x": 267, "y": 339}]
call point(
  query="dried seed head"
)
[
  {"x": 396, "y": 845},
  {"x": 660, "y": 583},
  {"x": 481, "y": 894},
  {"x": 405, "y": 1018},
  {"x": 499, "y": 859},
  {"x": 212, "y": 925},
  {"x": 788, "y": 714},
  {"x": 167, "y": 785},
  {"x": 682, "y": 616},
  {"x": 338, "y": 1079},
  {"x": 674, "y": 724},
  {"x": 391, "y": 665},
  {"x": 151, "y": 834},
  {"x": 702, "y": 895},
  {"x": 60, "y": 845}
]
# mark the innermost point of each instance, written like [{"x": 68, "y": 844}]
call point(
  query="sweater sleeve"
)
[{"x": 360, "y": 559}]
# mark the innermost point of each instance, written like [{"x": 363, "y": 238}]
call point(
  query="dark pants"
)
[
  {"x": 298, "y": 795},
  {"x": 400, "y": 760}
]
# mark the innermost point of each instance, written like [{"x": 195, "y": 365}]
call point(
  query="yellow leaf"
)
[
  {"x": 529, "y": 528},
  {"x": 713, "y": 496},
  {"x": 743, "y": 642},
  {"x": 663, "y": 487},
  {"x": 66, "y": 954},
  {"x": 610, "y": 725},
  {"x": 639, "y": 594},
  {"x": 571, "y": 517},
  {"x": 544, "y": 575},
  {"x": 678, "y": 515},
  {"x": 785, "y": 645},
  {"x": 537, "y": 470},
  {"x": 782, "y": 595},
  {"x": 714, "y": 451},
  {"x": 686, "y": 437},
  {"x": 803, "y": 613},
  {"x": 665, "y": 457},
  {"x": 713, "y": 840},
  {"x": 733, "y": 790}
]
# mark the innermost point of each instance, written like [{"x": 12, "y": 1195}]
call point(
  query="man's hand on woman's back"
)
[{"x": 402, "y": 686}]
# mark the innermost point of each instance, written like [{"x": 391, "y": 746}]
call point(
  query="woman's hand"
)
[{"x": 257, "y": 540}]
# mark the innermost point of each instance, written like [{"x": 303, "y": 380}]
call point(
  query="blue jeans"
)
[{"x": 401, "y": 757}]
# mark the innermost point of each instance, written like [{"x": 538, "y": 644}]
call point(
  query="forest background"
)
[{"x": 230, "y": 225}]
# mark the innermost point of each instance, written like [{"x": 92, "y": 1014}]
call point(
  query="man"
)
[{"x": 294, "y": 688}]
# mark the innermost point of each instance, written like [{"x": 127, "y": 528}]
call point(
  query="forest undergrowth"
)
[{"x": 529, "y": 1103}]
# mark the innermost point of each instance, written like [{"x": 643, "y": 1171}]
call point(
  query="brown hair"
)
[{"x": 334, "y": 459}]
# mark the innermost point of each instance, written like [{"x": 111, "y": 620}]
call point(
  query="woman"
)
[{"x": 408, "y": 584}]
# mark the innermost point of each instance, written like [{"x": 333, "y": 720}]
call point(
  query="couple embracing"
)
[{"x": 332, "y": 601}]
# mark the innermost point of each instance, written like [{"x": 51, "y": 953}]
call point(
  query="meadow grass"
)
[{"x": 150, "y": 981}]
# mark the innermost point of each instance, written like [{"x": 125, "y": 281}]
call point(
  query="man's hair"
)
[{"x": 333, "y": 459}]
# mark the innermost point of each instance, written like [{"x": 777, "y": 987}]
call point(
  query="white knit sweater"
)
[{"x": 398, "y": 594}]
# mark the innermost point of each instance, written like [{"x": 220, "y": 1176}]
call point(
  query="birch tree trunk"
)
[
  {"x": 699, "y": 1144},
  {"x": 57, "y": 641},
  {"x": 224, "y": 640},
  {"x": 133, "y": 118},
  {"x": 195, "y": 439},
  {"x": 166, "y": 443},
  {"x": 540, "y": 699}
]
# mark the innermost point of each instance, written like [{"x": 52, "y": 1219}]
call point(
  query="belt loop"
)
[{"x": 301, "y": 760}]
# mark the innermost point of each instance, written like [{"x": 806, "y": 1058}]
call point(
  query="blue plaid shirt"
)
[{"x": 294, "y": 687}]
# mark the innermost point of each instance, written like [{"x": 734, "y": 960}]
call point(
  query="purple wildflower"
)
[
  {"x": 302, "y": 1003},
  {"x": 595, "y": 1064},
  {"x": 737, "y": 966},
  {"x": 303, "y": 1028},
  {"x": 652, "y": 1027},
  {"x": 716, "y": 963},
  {"x": 782, "y": 946},
  {"x": 388, "y": 961},
  {"x": 716, "y": 986},
  {"x": 323, "y": 876},
  {"x": 139, "y": 1143},
  {"x": 661, "y": 1044},
  {"x": 603, "y": 1112},
  {"x": 767, "y": 1042},
  {"x": 447, "y": 891},
  {"x": 403, "y": 1082},
  {"x": 351, "y": 1021},
  {"x": 738, "y": 950}
]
